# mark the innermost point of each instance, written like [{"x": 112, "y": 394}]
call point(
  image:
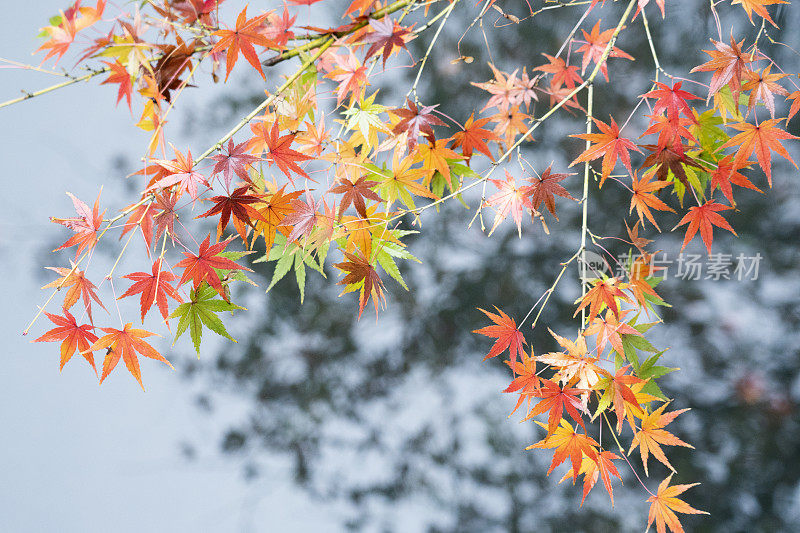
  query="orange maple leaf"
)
[
  {"x": 652, "y": 435},
  {"x": 666, "y": 503},
  {"x": 72, "y": 336},
  {"x": 605, "y": 292},
  {"x": 125, "y": 343},
  {"x": 243, "y": 37},
  {"x": 506, "y": 332},
  {"x": 567, "y": 443},
  {"x": 643, "y": 199}
]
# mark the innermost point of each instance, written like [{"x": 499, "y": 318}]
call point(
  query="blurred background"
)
[{"x": 316, "y": 420}]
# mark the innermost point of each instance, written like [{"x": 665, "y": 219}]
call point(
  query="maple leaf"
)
[
  {"x": 609, "y": 330},
  {"x": 355, "y": 193},
  {"x": 555, "y": 399},
  {"x": 607, "y": 144},
  {"x": 562, "y": 74},
  {"x": 140, "y": 218},
  {"x": 85, "y": 225},
  {"x": 154, "y": 288},
  {"x": 199, "y": 312},
  {"x": 125, "y": 343},
  {"x": 763, "y": 86},
  {"x": 235, "y": 161},
  {"x": 416, "y": 121},
  {"x": 644, "y": 198},
  {"x": 642, "y": 269},
  {"x": 388, "y": 34},
  {"x": 666, "y": 503},
  {"x": 436, "y": 156},
  {"x": 663, "y": 159},
  {"x": 727, "y": 173},
  {"x": 762, "y": 138},
  {"x": 72, "y": 336},
  {"x": 119, "y": 74},
  {"x": 173, "y": 61},
  {"x": 544, "y": 188},
  {"x": 180, "y": 172},
  {"x": 635, "y": 240},
  {"x": 759, "y": 6},
  {"x": 595, "y": 46},
  {"x": 652, "y": 435},
  {"x": 672, "y": 100},
  {"x": 510, "y": 122},
  {"x": 69, "y": 23},
  {"x": 278, "y": 149},
  {"x": 704, "y": 217},
  {"x": 593, "y": 468},
  {"x": 274, "y": 209},
  {"x": 201, "y": 267},
  {"x": 617, "y": 392},
  {"x": 567, "y": 443},
  {"x": 243, "y": 37},
  {"x": 795, "y": 107},
  {"x": 605, "y": 292},
  {"x": 361, "y": 276},
  {"x": 506, "y": 332},
  {"x": 400, "y": 182},
  {"x": 509, "y": 199},
  {"x": 302, "y": 218},
  {"x": 164, "y": 215},
  {"x": 505, "y": 89},
  {"x": 526, "y": 381},
  {"x": 79, "y": 287},
  {"x": 670, "y": 131},
  {"x": 352, "y": 77},
  {"x": 474, "y": 137},
  {"x": 236, "y": 204},
  {"x": 727, "y": 64}
]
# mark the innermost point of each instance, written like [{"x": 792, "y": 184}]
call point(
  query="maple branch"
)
[
  {"x": 27, "y": 95},
  {"x": 585, "y": 202},
  {"x": 321, "y": 41},
  {"x": 653, "y": 48},
  {"x": 549, "y": 292}
]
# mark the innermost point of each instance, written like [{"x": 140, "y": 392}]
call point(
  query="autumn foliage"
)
[{"x": 325, "y": 175}]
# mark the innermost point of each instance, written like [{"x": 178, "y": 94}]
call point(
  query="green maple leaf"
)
[{"x": 199, "y": 312}]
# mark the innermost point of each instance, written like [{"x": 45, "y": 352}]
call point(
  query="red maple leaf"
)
[
  {"x": 72, "y": 336},
  {"x": 361, "y": 276},
  {"x": 119, "y": 74},
  {"x": 672, "y": 99},
  {"x": 607, "y": 144},
  {"x": 509, "y": 199},
  {"x": 236, "y": 204},
  {"x": 506, "y": 332},
  {"x": 704, "y": 217},
  {"x": 762, "y": 138},
  {"x": 555, "y": 399},
  {"x": 388, "y": 34},
  {"x": 235, "y": 161},
  {"x": 200, "y": 267},
  {"x": 355, "y": 193},
  {"x": 278, "y": 148},
  {"x": 154, "y": 288},
  {"x": 415, "y": 121},
  {"x": 595, "y": 46},
  {"x": 544, "y": 189},
  {"x": 474, "y": 137}
]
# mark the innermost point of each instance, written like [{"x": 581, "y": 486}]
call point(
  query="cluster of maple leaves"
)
[{"x": 291, "y": 190}]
